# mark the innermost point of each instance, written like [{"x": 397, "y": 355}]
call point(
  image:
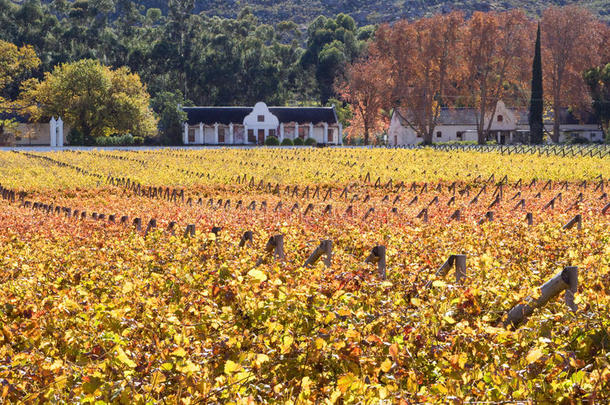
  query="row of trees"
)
[
  {"x": 417, "y": 67},
  {"x": 93, "y": 99},
  {"x": 187, "y": 58}
]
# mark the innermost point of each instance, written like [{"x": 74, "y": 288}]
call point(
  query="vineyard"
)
[{"x": 304, "y": 276}]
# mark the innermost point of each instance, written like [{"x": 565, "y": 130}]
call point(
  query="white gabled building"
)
[
  {"x": 252, "y": 125},
  {"x": 508, "y": 126}
]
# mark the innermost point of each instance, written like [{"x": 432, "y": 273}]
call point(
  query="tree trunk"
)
[
  {"x": 366, "y": 134},
  {"x": 556, "y": 124}
]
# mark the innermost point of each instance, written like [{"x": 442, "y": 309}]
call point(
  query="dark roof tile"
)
[{"x": 236, "y": 115}]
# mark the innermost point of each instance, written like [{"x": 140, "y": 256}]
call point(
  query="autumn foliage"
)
[
  {"x": 94, "y": 309},
  {"x": 451, "y": 61}
]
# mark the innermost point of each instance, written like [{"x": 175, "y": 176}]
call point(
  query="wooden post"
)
[
  {"x": 171, "y": 228},
  {"x": 520, "y": 203},
  {"x": 529, "y": 217},
  {"x": 566, "y": 280},
  {"x": 112, "y": 218},
  {"x": 151, "y": 225},
  {"x": 124, "y": 220},
  {"x": 456, "y": 261},
  {"x": 309, "y": 208},
  {"x": 606, "y": 208},
  {"x": 137, "y": 222},
  {"x": 460, "y": 268},
  {"x": 378, "y": 256},
  {"x": 189, "y": 231},
  {"x": 247, "y": 237},
  {"x": 423, "y": 214},
  {"x": 489, "y": 216},
  {"x": 577, "y": 220},
  {"x": 369, "y": 212},
  {"x": 456, "y": 215},
  {"x": 275, "y": 245},
  {"x": 325, "y": 248},
  {"x": 216, "y": 230}
]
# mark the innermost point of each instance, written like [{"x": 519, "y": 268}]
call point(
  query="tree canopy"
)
[{"x": 94, "y": 99}]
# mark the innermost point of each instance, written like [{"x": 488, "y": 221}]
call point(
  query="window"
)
[
  {"x": 439, "y": 134},
  {"x": 191, "y": 135},
  {"x": 260, "y": 118},
  {"x": 251, "y": 137},
  {"x": 221, "y": 135},
  {"x": 500, "y": 118},
  {"x": 303, "y": 131},
  {"x": 460, "y": 135},
  {"x": 272, "y": 132}
]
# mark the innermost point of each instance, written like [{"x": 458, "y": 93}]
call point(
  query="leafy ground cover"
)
[{"x": 94, "y": 310}]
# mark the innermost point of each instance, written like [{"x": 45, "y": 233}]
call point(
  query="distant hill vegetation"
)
[
  {"x": 363, "y": 11},
  {"x": 370, "y": 11}
]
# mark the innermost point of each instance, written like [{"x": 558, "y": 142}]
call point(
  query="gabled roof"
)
[
  {"x": 468, "y": 116},
  {"x": 236, "y": 115}
]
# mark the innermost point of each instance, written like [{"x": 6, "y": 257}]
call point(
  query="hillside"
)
[{"x": 370, "y": 11}]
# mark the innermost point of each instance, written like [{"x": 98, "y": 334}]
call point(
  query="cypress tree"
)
[{"x": 536, "y": 103}]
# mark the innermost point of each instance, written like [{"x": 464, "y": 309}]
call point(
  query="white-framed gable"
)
[
  {"x": 261, "y": 118},
  {"x": 504, "y": 119}
]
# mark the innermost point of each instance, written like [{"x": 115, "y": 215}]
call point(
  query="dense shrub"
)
[
  {"x": 272, "y": 141},
  {"x": 287, "y": 142},
  {"x": 298, "y": 142},
  {"x": 117, "y": 140},
  {"x": 311, "y": 142}
]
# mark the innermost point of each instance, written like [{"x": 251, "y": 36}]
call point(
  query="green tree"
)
[
  {"x": 331, "y": 44},
  {"x": 95, "y": 99},
  {"x": 171, "y": 117},
  {"x": 536, "y": 100},
  {"x": 598, "y": 81},
  {"x": 16, "y": 66}
]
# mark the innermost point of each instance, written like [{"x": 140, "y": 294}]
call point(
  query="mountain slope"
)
[{"x": 370, "y": 11}]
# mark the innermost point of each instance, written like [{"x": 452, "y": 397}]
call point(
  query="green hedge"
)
[
  {"x": 298, "y": 142},
  {"x": 272, "y": 141},
  {"x": 118, "y": 140},
  {"x": 287, "y": 142},
  {"x": 311, "y": 142}
]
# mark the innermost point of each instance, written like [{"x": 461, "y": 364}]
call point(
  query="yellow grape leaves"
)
[
  {"x": 123, "y": 358},
  {"x": 257, "y": 275},
  {"x": 534, "y": 354},
  {"x": 386, "y": 365},
  {"x": 93, "y": 309}
]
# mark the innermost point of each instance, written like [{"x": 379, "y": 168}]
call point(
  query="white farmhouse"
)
[
  {"x": 508, "y": 126},
  {"x": 252, "y": 125}
]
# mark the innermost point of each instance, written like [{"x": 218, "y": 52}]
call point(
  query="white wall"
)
[
  {"x": 270, "y": 121},
  {"x": 400, "y": 135}
]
